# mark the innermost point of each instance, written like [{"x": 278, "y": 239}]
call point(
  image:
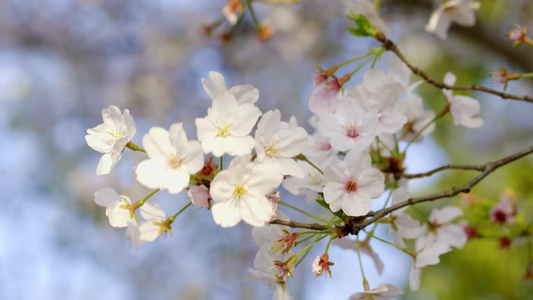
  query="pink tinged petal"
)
[
  {"x": 245, "y": 120},
  {"x": 199, "y": 196},
  {"x": 445, "y": 215},
  {"x": 369, "y": 122},
  {"x": 375, "y": 258},
  {"x": 118, "y": 217},
  {"x": 152, "y": 212},
  {"x": 255, "y": 209},
  {"x": 323, "y": 99},
  {"x": 414, "y": 278},
  {"x": 105, "y": 165},
  {"x": 205, "y": 129},
  {"x": 356, "y": 204},
  {"x": 357, "y": 161},
  {"x": 333, "y": 194},
  {"x": 453, "y": 234},
  {"x": 107, "y": 196},
  {"x": 371, "y": 182},
  {"x": 388, "y": 291},
  {"x": 148, "y": 231},
  {"x": 335, "y": 171},
  {"x": 226, "y": 214},
  {"x": 215, "y": 86},
  {"x": 330, "y": 125},
  {"x": 264, "y": 179},
  {"x": 157, "y": 143},
  {"x": 245, "y": 93},
  {"x": 430, "y": 254}
]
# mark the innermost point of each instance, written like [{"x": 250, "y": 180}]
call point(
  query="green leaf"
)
[
  {"x": 323, "y": 203},
  {"x": 364, "y": 27}
]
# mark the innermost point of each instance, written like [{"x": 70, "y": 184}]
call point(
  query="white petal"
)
[
  {"x": 151, "y": 172},
  {"x": 246, "y": 118},
  {"x": 356, "y": 204},
  {"x": 445, "y": 215},
  {"x": 226, "y": 214},
  {"x": 152, "y": 212},
  {"x": 245, "y": 93},
  {"x": 157, "y": 143},
  {"x": 255, "y": 209},
  {"x": 333, "y": 193},
  {"x": 215, "y": 86},
  {"x": 414, "y": 278},
  {"x": 371, "y": 182},
  {"x": 357, "y": 161},
  {"x": 105, "y": 165},
  {"x": 107, "y": 196},
  {"x": 148, "y": 231},
  {"x": 264, "y": 179}
]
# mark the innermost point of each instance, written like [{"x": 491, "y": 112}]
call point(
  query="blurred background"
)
[{"x": 62, "y": 61}]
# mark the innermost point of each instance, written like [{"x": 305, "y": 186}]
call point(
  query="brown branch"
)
[
  {"x": 487, "y": 169},
  {"x": 311, "y": 226},
  {"x": 389, "y": 45},
  {"x": 358, "y": 223},
  {"x": 446, "y": 167}
]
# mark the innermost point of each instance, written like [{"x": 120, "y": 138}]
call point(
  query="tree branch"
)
[
  {"x": 311, "y": 226},
  {"x": 389, "y": 45},
  {"x": 446, "y": 167}
]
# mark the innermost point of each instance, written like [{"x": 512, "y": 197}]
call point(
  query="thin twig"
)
[
  {"x": 312, "y": 226},
  {"x": 389, "y": 45},
  {"x": 446, "y": 167}
]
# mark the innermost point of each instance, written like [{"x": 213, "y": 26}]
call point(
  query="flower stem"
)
[
  {"x": 443, "y": 112},
  {"x": 303, "y": 158},
  {"x": 221, "y": 162},
  {"x": 525, "y": 75},
  {"x": 405, "y": 250},
  {"x": 303, "y": 212},
  {"x": 362, "y": 65},
  {"x": 252, "y": 13},
  {"x": 146, "y": 198},
  {"x": 365, "y": 282},
  {"x": 179, "y": 212},
  {"x": 134, "y": 147},
  {"x": 354, "y": 59}
]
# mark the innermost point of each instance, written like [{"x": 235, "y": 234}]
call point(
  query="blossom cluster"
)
[{"x": 344, "y": 164}]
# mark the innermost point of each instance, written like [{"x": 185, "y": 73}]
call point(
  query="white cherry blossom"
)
[
  {"x": 350, "y": 127},
  {"x": 402, "y": 224},
  {"x": 384, "y": 291},
  {"x": 461, "y": 12},
  {"x": 172, "y": 159},
  {"x": 462, "y": 108},
  {"x": 154, "y": 224},
  {"x": 111, "y": 137},
  {"x": 116, "y": 207},
  {"x": 277, "y": 143},
  {"x": 417, "y": 115},
  {"x": 352, "y": 184},
  {"x": 227, "y": 126},
  {"x": 441, "y": 228},
  {"x": 216, "y": 86},
  {"x": 239, "y": 193},
  {"x": 426, "y": 254}
]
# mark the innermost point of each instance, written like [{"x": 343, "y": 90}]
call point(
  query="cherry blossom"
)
[
  {"x": 352, "y": 183},
  {"x": 111, "y": 137},
  {"x": 278, "y": 142},
  {"x": 440, "y": 228},
  {"x": 350, "y": 127},
  {"x": 116, "y": 207},
  {"x": 324, "y": 97},
  {"x": 461, "y": 12},
  {"x": 504, "y": 211},
  {"x": 412, "y": 106},
  {"x": 172, "y": 159},
  {"x": 384, "y": 291},
  {"x": 239, "y": 192},
  {"x": 155, "y": 222},
  {"x": 200, "y": 196},
  {"x": 322, "y": 265},
  {"x": 427, "y": 253},
  {"x": 227, "y": 126},
  {"x": 216, "y": 86},
  {"x": 402, "y": 224},
  {"x": 462, "y": 108}
]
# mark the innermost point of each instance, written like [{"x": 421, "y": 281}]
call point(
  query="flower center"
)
[
  {"x": 350, "y": 186},
  {"x": 351, "y": 130},
  {"x": 114, "y": 135},
  {"x": 271, "y": 150},
  {"x": 239, "y": 192},
  {"x": 223, "y": 131},
  {"x": 174, "y": 162}
]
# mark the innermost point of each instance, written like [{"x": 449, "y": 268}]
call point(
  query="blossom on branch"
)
[
  {"x": 384, "y": 291},
  {"x": 116, "y": 205},
  {"x": 462, "y": 108},
  {"x": 352, "y": 184},
  {"x": 239, "y": 193},
  {"x": 111, "y": 137},
  {"x": 172, "y": 159},
  {"x": 216, "y": 86},
  {"x": 227, "y": 126},
  {"x": 461, "y": 12}
]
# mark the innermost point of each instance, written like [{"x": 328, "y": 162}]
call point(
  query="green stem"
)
[
  {"x": 525, "y": 75},
  {"x": 362, "y": 65},
  {"x": 179, "y": 212},
  {"x": 354, "y": 59},
  {"x": 365, "y": 282},
  {"x": 252, "y": 13},
  {"x": 146, "y": 198},
  {"x": 405, "y": 250},
  {"x": 303, "y": 212},
  {"x": 221, "y": 162},
  {"x": 385, "y": 205},
  {"x": 441, "y": 114},
  {"x": 305, "y": 239},
  {"x": 310, "y": 245},
  {"x": 329, "y": 243},
  {"x": 134, "y": 147},
  {"x": 304, "y": 158}
]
